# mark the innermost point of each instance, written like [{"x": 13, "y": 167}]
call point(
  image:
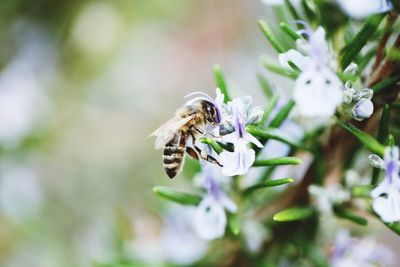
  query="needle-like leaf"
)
[
  {"x": 272, "y": 133},
  {"x": 289, "y": 31},
  {"x": 267, "y": 31},
  {"x": 221, "y": 82},
  {"x": 346, "y": 214},
  {"x": 277, "y": 161},
  {"x": 293, "y": 214},
  {"x": 234, "y": 223},
  {"x": 269, "y": 183},
  {"x": 282, "y": 114},
  {"x": 175, "y": 196},
  {"x": 350, "y": 52},
  {"x": 367, "y": 140},
  {"x": 209, "y": 141}
]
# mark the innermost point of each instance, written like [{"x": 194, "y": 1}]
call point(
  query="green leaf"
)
[
  {"x": 209, "y": 141},
  {"x": 364, "y": 138},
  {"x": 234, "y": 223},
  {"x": 350, "y": 52},
  {"x": 293, "y": 11},
  {"x": 269, "y": 108},
  {"x": 175, "y": 196},
  {"x": 310, "y": 10},
  {"x": 394, "y": 54},
  {"x": 277, "y": 161},
  {"x": 289, "y": 31},
  {"x": 281, "y": 70},
  {"x": 282, "y": 114},
  {"x": 221, "y": 83},
  {"x": 386, "y": 83},
  {"x": 269, "y": 183},
  {"x": 395, "y": 227},
  {"x": 383, "y": 133},
  {"x": 346, "y": 214},
  {"x": 265, "y": 86},
  {"x": 272, "y": 133},
  {"x": 271, "y": 36},
  {"x": 293, "y": 66},
  {"x": 390, "y": 140},
  {"x": 364, "y": 60},
  {"x": 363, "y": 191},
  {"x": 293, "y": 214}
]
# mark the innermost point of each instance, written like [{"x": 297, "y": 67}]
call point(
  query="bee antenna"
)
[{"x": 201, "y": 96}]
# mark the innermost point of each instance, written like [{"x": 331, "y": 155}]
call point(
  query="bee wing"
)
[{"x": 168, "y": 130}]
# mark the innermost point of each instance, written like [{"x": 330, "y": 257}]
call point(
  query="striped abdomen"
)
[{"x": 173, "y": 154}]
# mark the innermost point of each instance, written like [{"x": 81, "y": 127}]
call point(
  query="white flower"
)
[
  {"x": 254, "y": 234},
  {"x": 252, "y": 115},
  {"x": 348, "y": 251},
  {"x": 240, "y": 160},
  {"x": 316, "y": 49},
  {"x": 327, "y": 197},
  {"x": 386, "y": 196},
  {"x": 317, "y": 92},
  {"x": 210, "y": 217},
  {"x": 180, "y": 243},
  {"x": 359, "y": 9}
]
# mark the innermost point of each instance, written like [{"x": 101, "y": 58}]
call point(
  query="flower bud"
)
[{"x": 363, "y": 109}]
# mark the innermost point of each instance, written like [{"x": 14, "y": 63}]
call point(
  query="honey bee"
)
[{"x": 189, "y": 121}]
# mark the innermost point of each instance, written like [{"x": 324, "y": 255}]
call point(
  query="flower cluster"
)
[
  {"x": 359, "y": 102},
  {"x": 247, "y": 147}
]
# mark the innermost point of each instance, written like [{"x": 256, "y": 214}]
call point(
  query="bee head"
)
[{"x": 210, "y": 112}]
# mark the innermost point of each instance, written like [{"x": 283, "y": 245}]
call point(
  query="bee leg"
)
[
  {"x": 192, "y": 153},
  {"x": 204, "y": 132},
  {"x": 205, "y": 156}
]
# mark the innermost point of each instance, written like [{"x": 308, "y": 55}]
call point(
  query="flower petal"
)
[
  {"x": 359, "y": 9},
  {"x": 239, "y": 161},
  {"x": 317, "y": 92},
  {"x": 251, "y": 139},
  {"x": 295, "y": 57},
  {"x": 210, "y": 219},
  {"x": 388, "y": 208},
  {"x": 228, "y": 203}
]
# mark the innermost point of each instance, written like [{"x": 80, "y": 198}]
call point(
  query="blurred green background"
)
[{"x": 82, "y": 85}]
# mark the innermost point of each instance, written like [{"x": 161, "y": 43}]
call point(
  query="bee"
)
[{"x": 189, "y": 121}]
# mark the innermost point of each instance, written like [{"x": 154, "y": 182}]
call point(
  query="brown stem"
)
[{"x": 382, "y": 44}]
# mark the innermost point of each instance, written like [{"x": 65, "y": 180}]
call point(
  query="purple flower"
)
[
  {"x": 180, "y": 242},
  {"x": 349, "y": 251},
  {"x": 317, "y": 91},
  {"x": 360, "y": 9},
  {"x": 386, "y": 196},
  {"x": 210, "y": 217},
  {"x": 240, "y": 160}
]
